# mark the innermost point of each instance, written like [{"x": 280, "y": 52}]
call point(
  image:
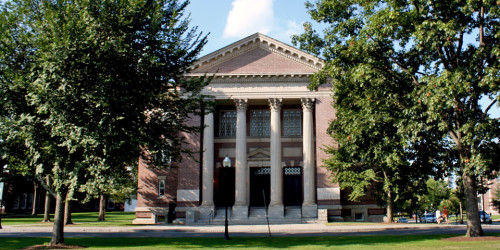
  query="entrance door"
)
[
  {"x": 292, "y": 186},
  {"x": 260, "y": 183},
  {"x": 224, "y": 195}
]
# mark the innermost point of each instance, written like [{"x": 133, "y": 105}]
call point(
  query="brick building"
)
[
  {"x": 272, "y": 128},
  {"x": 485, "y": 201}
]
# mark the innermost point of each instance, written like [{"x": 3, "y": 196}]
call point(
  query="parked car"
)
[
  {"x": 485, "y": 217},
  {"x": 402, "y": 220},
  {"x": 429, "y": 218}
]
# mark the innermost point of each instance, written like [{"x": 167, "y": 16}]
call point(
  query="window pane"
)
[
  {"x": 292, "y": 122},
  {"x": 161, "y": 187},
  {"x": 227, "y": 126},
  {"x": 260, "y": 123}
]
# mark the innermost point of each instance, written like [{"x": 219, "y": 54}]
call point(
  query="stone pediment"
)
[
  {"x": 257, "y": 55},
  {"x": 259, "y": 155}
]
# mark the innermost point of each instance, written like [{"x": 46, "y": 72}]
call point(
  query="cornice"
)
[{"x": 230, "y": 78}]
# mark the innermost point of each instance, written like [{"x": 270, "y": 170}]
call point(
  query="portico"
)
[{"x": 268, "y": 143}]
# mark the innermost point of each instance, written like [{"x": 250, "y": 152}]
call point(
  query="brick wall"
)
[
  {"x": 260, "y": 61},
  {"x": 147, "y": 192},
  {"x": 324, "y": 114}
]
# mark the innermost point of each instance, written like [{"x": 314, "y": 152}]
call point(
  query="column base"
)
[
  {"x": 240, "y": 212},
  {"x": 309, "y": 211},
  {"x": 276, "y": 212}
]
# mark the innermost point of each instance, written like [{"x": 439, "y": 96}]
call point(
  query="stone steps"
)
[{"x": 257, "y": 215}]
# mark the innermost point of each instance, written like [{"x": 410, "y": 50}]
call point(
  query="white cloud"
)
[
  {"x": 249, "y": 16},
  {"x": 285, "y": 34}
]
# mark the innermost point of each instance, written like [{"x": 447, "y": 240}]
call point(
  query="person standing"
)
[{"x": 445, "y": 215}]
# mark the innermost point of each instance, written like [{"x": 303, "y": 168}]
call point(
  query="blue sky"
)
[{"x": 231, "y": 20}]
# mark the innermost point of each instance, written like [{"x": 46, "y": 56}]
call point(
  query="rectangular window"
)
[
  {"x": 161, "y": 187},
  {"x": 260, "y": 121},
  {"x": 30, "y": 201},
  {"x": 227, "y": 126},
  {"x": 111, "y": 204},
  {"x": 292, "y": 122},
  {"x": 24, "y": 200},
  {"x": 17, "y": 200}
]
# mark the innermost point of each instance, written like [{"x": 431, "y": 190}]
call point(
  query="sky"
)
[{"x": 231, "y": 20}]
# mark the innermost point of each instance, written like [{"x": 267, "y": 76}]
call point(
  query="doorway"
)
[
  {"x": 225, "y": 190},
  {"x": 260, "y": 183},
  {"x": 292, "y": 186}
]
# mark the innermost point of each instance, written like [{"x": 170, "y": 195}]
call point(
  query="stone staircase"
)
[{"x": 257, "y": 215}]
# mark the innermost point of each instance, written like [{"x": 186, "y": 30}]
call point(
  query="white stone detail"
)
[
  {"x": 231, "y": 152},
  {"x": 188, "y": 195},
  {"x": 292, "y": 152},
  {"x": 328, "y": 193}
]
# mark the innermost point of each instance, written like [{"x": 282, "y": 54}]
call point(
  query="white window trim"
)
[{"x": 162, "y": 179}]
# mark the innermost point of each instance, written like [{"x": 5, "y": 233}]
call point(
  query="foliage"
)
[
  {"x": 88, "y": 86},
  {"x": 427, "y": 50},
  {"x": 437, "y": 192}
]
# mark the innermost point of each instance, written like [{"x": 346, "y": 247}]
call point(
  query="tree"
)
[
  {"x": 427, "y": 47},
  {"x": 437, "y": 193},
  {"x": 97, "y": 83}
]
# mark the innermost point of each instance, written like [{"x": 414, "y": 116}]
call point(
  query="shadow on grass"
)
[
  {"x": 112, "y": 218},
  {"x": 390, "y": 241}
]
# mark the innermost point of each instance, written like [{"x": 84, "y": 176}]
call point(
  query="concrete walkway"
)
[{"x": 80, "y": 230}]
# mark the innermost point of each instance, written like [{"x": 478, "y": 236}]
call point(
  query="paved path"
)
[{"x": 241, "y": 230}]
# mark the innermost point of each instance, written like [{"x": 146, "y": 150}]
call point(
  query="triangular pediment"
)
[
  {"x": 256, "y": 55},
  {"x": 258, "y": 155}
]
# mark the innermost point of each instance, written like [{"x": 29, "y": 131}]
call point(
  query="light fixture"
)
[{"x": 226, "y": 162}]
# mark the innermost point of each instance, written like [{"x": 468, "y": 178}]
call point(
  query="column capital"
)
[
  {"x": 307, "y": 103},
  {"x": 275, "y": 103},
  {"x": 241, "y": 104}
]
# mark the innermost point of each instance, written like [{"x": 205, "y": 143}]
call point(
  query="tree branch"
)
[
  {"x": 459, "y": 48},
  {"x": 46, "y": 184},
  {"x": 391, "y": 58},
  {"x": 488, "y": 108},
  {"x": 481, "y": 26},
  {"x": 415, "y": 80}
]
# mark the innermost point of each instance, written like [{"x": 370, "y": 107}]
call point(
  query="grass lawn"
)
[
  {"x": 320, "y": 242},
  {"x": 80, "y": 219}
]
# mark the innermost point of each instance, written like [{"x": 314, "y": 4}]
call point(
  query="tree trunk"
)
[
  {"x": 474, "y": 228},
  {"x": 67, "y": 211},
  {"x": 33, "y": 212},
  {"x": 46, "y": 212},
  {"x": 102, "y": 208},
  {"x": 461, "y": 214},
  {"x": 58, "y": 228},
  {"x": 389, "y": 209}
]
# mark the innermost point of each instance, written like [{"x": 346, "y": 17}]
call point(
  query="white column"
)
[
  {"x": 240, "y": 208},
  {"x": 309, "y": 206},
  {"x": 241, "y": 153},
  {"x": 276, "y": 205},
  {"x": 208, "y": 162}
]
